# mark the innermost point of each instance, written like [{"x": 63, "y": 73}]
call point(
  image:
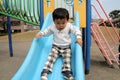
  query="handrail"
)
[
  {"x": 109, "y": 33},
  {"x": 108, "y": 19}
]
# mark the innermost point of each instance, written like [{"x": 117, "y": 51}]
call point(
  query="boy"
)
[{"x": 61, "y": 30}]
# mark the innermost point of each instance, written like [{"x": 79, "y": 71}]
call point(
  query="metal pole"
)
[
  {"x": 109, "y": 33},
  {"x": 9, "y": 36},
  {"x": 41, "y": 13},
  {"x": 108, "y": 19},
  {"x": 84, "y": 42},
  {"x": 88, "y": 36},
  {"x": 9, "y": 32}
]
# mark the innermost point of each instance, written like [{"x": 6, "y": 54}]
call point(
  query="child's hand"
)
[
  {"x": 79, "y": 41},
  {"x": 39, "y": 35}
]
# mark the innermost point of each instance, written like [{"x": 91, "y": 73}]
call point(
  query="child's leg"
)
[
  {"x": 49, "y": 64},
  {"x": 66, "y": 69},
  {"x": 67, "y": 60}
]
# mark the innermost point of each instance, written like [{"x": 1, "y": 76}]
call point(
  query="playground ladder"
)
[{"x": 105, "y": 48}]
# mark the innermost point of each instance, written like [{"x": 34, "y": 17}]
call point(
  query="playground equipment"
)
[
  {"x": 34, "y": 12},
  {"x": 18, "y": 9},
  {"x": 36, "y": 58},
  {"x": 106, "y": 49}
]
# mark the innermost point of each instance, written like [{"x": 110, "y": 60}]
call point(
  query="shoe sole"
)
[
  {"x": 68, "y": 78},
  {"x": 44, "y": 78}
]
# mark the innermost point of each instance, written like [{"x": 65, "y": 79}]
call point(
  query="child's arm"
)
[
  {"x": 46, "y": 32},
  {"x": 79, "y": 41},
  {"x": 78, "y": 35}
]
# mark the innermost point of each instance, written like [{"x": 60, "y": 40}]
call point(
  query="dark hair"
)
[{"x": 60, "y": 13}]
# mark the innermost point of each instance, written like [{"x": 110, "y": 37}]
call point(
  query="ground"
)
[{"x": 99, "y": 69}]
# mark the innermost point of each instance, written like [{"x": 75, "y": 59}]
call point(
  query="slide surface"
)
[{"x": 38, "y": 54}]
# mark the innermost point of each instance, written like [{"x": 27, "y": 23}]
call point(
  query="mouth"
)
[{"x": 61, "y": 28}]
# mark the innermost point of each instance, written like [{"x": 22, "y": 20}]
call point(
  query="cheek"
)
[{"x": 57, "y": 26}]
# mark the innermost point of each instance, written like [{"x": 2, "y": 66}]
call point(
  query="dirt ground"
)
[{"x": 9, "y": 65}]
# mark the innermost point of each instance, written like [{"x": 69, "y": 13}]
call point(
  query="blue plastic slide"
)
[{"x": 38, "y": 54}]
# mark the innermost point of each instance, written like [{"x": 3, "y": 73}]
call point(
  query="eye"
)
[
  {"x": 58, "y": 23},
  {"x": 63, "y": 23}
]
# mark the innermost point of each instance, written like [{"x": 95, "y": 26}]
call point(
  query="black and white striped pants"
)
[{"x": 55, "y": 53}]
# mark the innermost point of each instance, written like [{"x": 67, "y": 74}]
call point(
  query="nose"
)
[{"x": 61, "y": 26}]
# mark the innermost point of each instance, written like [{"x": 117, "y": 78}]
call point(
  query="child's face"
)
[{"x": 60, "y": 23}]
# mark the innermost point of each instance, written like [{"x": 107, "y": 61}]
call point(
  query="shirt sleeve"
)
[
  {"x": 75, "y": 31},
  {"x": 47, "y": 31}
]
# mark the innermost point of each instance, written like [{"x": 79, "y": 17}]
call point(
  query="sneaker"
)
[
  {"x": 44, "y": 76},
  {"x": 67, "y": 75}
]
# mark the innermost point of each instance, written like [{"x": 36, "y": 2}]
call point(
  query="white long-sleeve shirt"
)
[{"x": 62, "y": 37}]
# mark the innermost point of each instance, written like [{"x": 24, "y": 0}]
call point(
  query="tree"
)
[{"x": 114, "y": 14}]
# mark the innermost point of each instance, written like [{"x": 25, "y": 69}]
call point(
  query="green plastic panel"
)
[{"x": 24, "y": 10}]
